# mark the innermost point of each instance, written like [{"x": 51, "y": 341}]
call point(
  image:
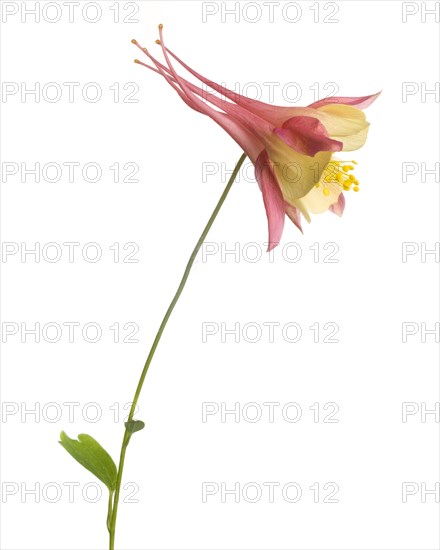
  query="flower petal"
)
[
  {"x": 359, "y": 102},
  {"x": 316, "y": 201},
  {"x": 344, "y": 123},
  {"x": 307, "y": 135},
  {"x": 296, "y": 173},
  {"x": 295, "y": 215},
  {"x": 338, "y": 207},
  {"x": 272, "y": 197}
]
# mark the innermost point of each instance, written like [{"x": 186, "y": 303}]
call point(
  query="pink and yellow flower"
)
[{"x": 291, "y": 147}]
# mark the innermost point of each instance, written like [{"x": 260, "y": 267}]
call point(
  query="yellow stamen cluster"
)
[{"x": 337, "y": 172}]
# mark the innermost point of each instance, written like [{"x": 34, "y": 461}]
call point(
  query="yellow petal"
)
[
  {"x": 344, "y": 123},
  {"x": 296, "y": 173},
  {"x": 316, "y": 201},
  {"x": 356, "y": 141}
]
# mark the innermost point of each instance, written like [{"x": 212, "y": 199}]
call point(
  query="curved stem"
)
[{"x": 127, "y": 434}]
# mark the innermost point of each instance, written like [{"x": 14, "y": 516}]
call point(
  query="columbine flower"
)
[{"x": 291, "y": 147}]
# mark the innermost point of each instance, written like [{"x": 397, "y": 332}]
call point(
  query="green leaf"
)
[
  {"x": 89, "y": 453},
  {"x": 133, "y": 426}
]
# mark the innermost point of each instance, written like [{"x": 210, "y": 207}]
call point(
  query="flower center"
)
[{"x": 337, "y": 173}]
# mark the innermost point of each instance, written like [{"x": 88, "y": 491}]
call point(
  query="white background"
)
[{"x": 369, "y": 292}]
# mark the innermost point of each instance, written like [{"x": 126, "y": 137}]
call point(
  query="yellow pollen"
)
[
  {"x": 158, "y": 42},
  {"x": 134, "y": 41},
  {"x": 160, "y": 26},
  {"x": 336, "y": 174},
  {"x": 136, "y": 61}
]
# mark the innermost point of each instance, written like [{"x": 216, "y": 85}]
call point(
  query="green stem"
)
[{"x": 127, "y": 434}]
